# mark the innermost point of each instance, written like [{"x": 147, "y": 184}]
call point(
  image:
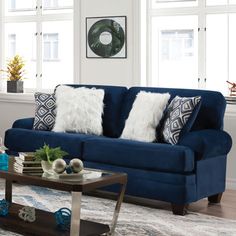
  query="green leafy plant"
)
[
  {"x": 15, "y": 69},
  {"x": 49, "y": 154}
]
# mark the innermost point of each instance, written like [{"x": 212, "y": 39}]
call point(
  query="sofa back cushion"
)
[
  {"x": 112, "y": 107},
  {"x": 210, "y": 115}
]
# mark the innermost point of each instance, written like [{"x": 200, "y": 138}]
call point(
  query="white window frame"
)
[
  {"x": 202, "y": 10},
  {"x": 38, "y": 18}
]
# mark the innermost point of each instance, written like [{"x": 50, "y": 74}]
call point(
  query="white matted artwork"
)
[{"x": 106, "y": 37}]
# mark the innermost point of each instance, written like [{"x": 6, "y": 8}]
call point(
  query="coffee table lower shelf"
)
[{"x": 45, "y": 224}]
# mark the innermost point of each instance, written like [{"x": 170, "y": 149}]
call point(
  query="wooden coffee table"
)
[{"x": 45, "y": 223}]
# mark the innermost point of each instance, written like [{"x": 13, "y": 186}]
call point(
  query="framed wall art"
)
[{"x": 106, "y": 37}]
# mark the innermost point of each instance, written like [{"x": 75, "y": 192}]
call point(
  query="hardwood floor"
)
[{"x": 225, "y": 209}]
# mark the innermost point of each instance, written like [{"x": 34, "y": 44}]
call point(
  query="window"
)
[
  {"x": 190, "y": 43},
  {"x": 43, "y": 36},
  {"x": 173, "y": 3},
  {"x": 216, "y": 2},
  {"x": 174, "y": 57},
  {"x": 12, "y": 5},
  {"x": 55, "y": 4},
  {"x": 177, "y": 44},
  {"x": 50, "y": 3},
  {"x": 59, "y": 6},
  {"x": 50, "y": 42},
  {"x": 24, "y": 44},
  {"x": 11, "y": 45},
  {"x": 58, "y": 69},
  {"x": 19, "y": 7}
]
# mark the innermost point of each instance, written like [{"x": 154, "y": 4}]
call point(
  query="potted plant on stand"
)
[{"x": 15, "y": 72}]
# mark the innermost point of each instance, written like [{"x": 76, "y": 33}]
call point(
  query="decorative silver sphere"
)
[
  {"x": 59, "y": 166},
  {"x": 76, "y": 165}
]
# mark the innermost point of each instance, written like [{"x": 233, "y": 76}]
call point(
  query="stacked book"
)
[
  {"x": 25, "y": 163},
  {"x": 230, "y": 99}
]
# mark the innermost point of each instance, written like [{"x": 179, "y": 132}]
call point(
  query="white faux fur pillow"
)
[
  {"x": 144, "y": 116},
  {"x": 79, "y": 110}
]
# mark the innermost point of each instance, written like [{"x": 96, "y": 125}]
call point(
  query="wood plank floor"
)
[{"x": 226, "y": 209}]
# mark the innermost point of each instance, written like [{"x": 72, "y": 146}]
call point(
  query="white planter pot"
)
[{"x": 47, "y": 167}]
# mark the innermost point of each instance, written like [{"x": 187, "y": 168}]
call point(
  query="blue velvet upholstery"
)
[
  {"x": 112, "y": 101},
  {"x": 26, "y": 123},
  {"x": 193, "y": 169},
  {"x": 170, "y": 187},
  {"x": 207, "y": 143},
  {"x": 139, "y": 155},
  {"x": 210, "y": 176},
  {"x": 20, "y": 140}
]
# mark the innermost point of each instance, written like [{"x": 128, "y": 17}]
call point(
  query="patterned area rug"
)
[{"x": 133, "y": 221}]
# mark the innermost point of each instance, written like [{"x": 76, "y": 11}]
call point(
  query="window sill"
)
[{"x": 17, "y": 97}]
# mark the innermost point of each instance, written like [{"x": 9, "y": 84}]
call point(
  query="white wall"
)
[
  {"x": 108, "y": 71},
  {"x": 230, "y": 127},
  {"x": 10, "y": 111}
]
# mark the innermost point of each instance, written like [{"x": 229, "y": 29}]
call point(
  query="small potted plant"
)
[
  {"x": 15, "y": 72},
  {"x": 47, "y": 155}
]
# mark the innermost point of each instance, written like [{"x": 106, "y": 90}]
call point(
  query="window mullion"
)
[
  {"x": 2, "y": 39},
  {"x": 228, "y": 42},
  {"x": 149, "y": 44},
  {"x": 77, "y": 41},
  {"x": 202, "y": 45},
  {"x": 39, "y": 45}
]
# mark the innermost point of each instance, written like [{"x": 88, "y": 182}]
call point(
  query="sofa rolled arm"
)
[
  {"x": 207, "y": 143},
  {"x": 26, "y": 123}
]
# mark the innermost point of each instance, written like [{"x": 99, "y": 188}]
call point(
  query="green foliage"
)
[
  {"x": 49, "y": 154},
  {"x": 15, "y": 67}
]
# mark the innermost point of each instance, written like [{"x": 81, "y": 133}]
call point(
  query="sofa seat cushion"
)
[
  {"x": 139, "y": 155},
  {"x": 23, "y": 140}
]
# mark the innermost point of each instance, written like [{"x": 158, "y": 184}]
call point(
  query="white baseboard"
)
[{"x": 231, "y": 184}]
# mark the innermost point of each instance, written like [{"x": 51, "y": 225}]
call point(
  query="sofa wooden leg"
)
[
  {"x": 179, "y": 209},
  {"x": 215, "y": 198}
]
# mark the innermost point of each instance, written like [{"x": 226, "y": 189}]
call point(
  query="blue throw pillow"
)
[
  {"x": 180, "y": 116},
  {"x": 45, "y": 113}
]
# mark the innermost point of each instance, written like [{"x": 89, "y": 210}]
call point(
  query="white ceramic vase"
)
[
  {"x": 47, "y": 169},
  {"x": 46, "y": 166}
]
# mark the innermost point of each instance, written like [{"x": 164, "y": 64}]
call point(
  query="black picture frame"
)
[{"x": 113, "y": 44}]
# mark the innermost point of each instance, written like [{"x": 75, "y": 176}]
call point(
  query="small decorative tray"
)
[{"x": 82, "y": 175}]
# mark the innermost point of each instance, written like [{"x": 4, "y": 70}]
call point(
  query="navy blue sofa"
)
[{"x": 193, "y": 169}]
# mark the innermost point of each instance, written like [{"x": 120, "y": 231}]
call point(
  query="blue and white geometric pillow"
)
[
  {"x": 45, "y": 113},
  {"x": 177, "y": 115}
]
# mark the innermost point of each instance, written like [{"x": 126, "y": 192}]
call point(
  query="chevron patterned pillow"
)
[
  {"x": 177, "y": 115},
  {"x": 45, "y": 113}
]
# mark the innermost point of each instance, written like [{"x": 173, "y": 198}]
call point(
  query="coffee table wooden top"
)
[{"x": 83, "y": 185}]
